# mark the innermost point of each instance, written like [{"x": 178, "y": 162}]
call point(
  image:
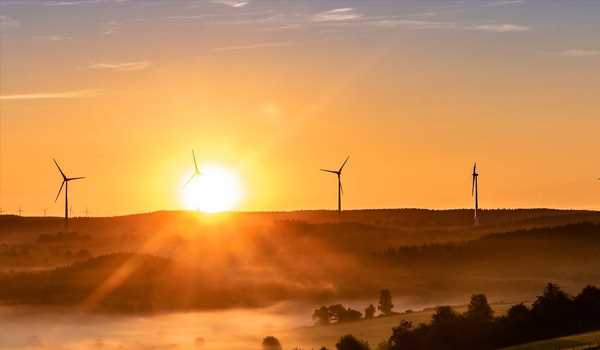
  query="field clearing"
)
[
  {"x": 573, "y": 341},
  {"x": 374, "y": 331}
]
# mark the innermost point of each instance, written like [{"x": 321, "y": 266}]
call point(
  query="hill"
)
[{"x": 256, "y": 259}]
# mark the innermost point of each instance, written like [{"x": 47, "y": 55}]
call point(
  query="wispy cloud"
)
[
  {"x": 122, "y": 66},
  {"x": 79, "y": 2},
  {"x": 499, "y": 28},
  {"x": 435, "y": 25},
  {"x": 413, "y": 24},
  {"x": 504, "y": 3},
  {"x": 252, "y": 46},
  {"x": 231, "y": 3},
  {"x": 337, "y": 15},
  {"x": 8, "y": 22},
  {"x": 51, "y": 95},
  {"x": 579, "y": 53},
  {"x": 49, "y": 37}
]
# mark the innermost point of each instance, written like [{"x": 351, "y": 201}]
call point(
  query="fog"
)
[{"x": 22, "y": 328}]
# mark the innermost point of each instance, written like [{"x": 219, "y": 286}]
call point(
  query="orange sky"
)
[{"x": 122, "y": 91}]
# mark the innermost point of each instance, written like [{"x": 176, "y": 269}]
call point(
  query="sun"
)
[{"x": 217, "y": 189}]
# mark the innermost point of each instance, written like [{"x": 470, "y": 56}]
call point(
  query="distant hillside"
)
[
  {"x": 403, "y": 218},
  {"x": 569, "y": 254},
  {"x": 250, "y": 259}
]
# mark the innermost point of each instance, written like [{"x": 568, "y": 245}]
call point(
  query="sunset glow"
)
[{"x": 217, "y": 189}]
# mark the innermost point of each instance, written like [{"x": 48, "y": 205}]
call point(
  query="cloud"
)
[
  {"x": 231, "y": 3},
  {"x": 49, "y": 37},
  {"x": 433, "y": 25},
  {"x": 413, "y": 24},
  {"x": 499, "y": 28},
  {"x": 51, "y": 95},
  {"x": 579, "y": 53},
  {"x": 504, "y": 3},
  {"x": 121, "y": 67},
  {"x": 8, "y": 22},
  {"x": 252, "y": 46},
  {"x": 337, "y": 15},
  {"x": 80, "y": 2}
]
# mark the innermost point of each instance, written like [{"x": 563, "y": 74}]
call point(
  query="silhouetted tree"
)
[
  {"x": 349, "y": 342},
  {"x": 553, "y": 310},
  {"x": 403, "y": 337},
  {"x": 337, "y": 313},
  {"x": 271, "y": 343},
  {"x": 479, "y": 309},
  {"x": 321, "y": 315},
  {"x": 587, "y": 304},
  {"x": 385, "y": 302},
  {"x": 370, "y": 311},
  {"x": 351, "y": 315}
]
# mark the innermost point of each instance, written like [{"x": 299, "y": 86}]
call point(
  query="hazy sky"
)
[{"x": 414, "y": 91}]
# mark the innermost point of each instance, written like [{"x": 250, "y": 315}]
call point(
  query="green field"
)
[
  {"x": 572, "y": 341},
  {"x": 374, "y": 331}
]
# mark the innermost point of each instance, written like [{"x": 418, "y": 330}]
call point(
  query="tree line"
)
[
  {"x": 553, "y": 314},
  {"x": 338, "y": 313}
]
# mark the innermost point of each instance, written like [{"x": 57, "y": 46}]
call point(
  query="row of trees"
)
[
  {"x": 338, "y": 313},
  {"x": 553, "y": 314}
]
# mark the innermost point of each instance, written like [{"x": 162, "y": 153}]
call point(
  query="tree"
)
[
  {"x": 337, "y": 313},
  {"x": 588, "y": 306},
  {"x": 554, "y": 311},
  {"x": 349, "y": 342},
  {"x": 370, "y": 312},
  {"x": 444, "y": 315},
  {"x": 403, "y": 337},
  {"x": 351, "y": 315},
  {"x": 385, "y": 302},
  {"x": 321, "y": 315},
  {"x": 479, "y": 309},
  {"x": 271, "y": 343}
]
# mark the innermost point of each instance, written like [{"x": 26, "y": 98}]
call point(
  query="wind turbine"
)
[
  {"x": 475, "y": 193},
  {"x": 65, "y": 183},
  {"x": 340, "y": 188},
  {"x": 196, "y": 170}
]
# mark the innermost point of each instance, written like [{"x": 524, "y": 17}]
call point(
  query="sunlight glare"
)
[{"x": 217, "y": 189}]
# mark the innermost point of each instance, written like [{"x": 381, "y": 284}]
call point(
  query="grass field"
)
[
  {"x": 573, "y": 341},
  {"x": 374, "y": 331}
]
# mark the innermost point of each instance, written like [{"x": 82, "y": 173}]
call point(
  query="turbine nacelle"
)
[{"x": 65, "y": 179}]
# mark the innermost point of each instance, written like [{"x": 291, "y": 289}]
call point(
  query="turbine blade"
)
[
  {"x": 341, "y": 188},
  {"x": 195, "y": 164},
  {"x": 75, "y": 178},
  {"x": 344, "y": 164},
  {"x": 190, "y": 180},
  {"x": 60, "y": 190},
  {"x": 59, "y": 169},
  {"x": 329, "y": 171},
  {"x": 473, "y": 187}
]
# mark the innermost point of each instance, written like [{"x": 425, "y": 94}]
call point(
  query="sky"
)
[{"x": 121, "y": 91}]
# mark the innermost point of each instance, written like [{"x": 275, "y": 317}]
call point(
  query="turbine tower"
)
[
  {"x": 196, "y": 170},
  {"x": 475, "y": 193},
  {"x": 340, "y": 188},
  {"x": 65, "y": 183}
]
